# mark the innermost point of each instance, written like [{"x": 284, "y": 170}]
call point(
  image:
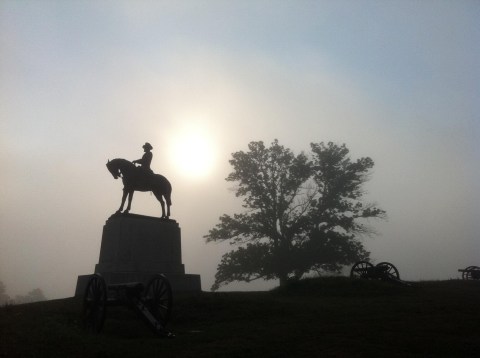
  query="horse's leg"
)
[
  {"x": 124, "y": 197},
  {"x": 169, "y": 203},
  {"x": 130, "y": 197},
  {"x": 162, "y": 203},
  {"x": 168, "y": 208}
]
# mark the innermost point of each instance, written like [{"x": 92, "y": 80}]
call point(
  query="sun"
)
[{"x": 193, "y": 153}]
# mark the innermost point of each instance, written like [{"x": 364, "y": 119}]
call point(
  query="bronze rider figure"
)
[{"x": 146, "y": 158}]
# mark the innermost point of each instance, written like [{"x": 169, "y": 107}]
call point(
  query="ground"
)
[{"x": 329, "y": 317}]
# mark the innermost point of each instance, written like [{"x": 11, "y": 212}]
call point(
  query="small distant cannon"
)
[
  {"x": 384, "y": 271},
  {"x": 470, "y": 273},
  {"x": 152, "y": 303}
]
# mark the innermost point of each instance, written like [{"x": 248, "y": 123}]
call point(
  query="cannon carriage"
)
[
  {"x": 152, "y": 303},
  {"x": 470, "y": 273},
  {"x": 384, "y": 271}
]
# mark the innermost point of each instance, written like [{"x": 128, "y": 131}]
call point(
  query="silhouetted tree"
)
[
  {"x": 34, "y": 295},
  {"x": 304, "y": 213},
  {"x": 4, "y": 298}
]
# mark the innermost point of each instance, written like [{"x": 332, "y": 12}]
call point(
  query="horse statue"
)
[{"x": 138, "y": 179}]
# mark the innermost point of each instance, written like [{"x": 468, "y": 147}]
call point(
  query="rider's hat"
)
[{"x": 147, "y": 146}]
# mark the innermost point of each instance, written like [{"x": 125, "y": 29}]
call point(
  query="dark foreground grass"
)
[{"x": 331, "y": 317}]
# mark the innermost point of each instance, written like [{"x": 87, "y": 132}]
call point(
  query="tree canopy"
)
[{"x": 303, "y": 213}]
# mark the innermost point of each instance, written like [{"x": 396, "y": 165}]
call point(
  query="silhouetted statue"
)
[
  {"x": 141, "y": 179},
  {"x": 146, "y": 158}
]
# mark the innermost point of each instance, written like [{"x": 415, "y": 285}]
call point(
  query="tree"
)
[
  {"x": 34, "y": 295},
  {"x": 303, "y": 213},
  {"x": 4, "y": 298}
]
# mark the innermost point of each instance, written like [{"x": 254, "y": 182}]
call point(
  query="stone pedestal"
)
[{"x": 136, "y": 247}]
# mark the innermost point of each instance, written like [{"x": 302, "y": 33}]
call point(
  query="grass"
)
[{"x": 328, "y": 317}]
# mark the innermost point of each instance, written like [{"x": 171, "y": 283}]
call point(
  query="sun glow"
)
[{"x": 193, "y": 153}]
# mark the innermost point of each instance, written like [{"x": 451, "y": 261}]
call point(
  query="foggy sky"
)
[{"x": 83, "y": 82}]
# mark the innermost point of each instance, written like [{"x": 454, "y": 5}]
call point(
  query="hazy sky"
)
[{"x": 82, "y": 82}]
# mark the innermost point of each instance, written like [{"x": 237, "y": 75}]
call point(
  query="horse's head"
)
[{"x": 113, "y": 169}]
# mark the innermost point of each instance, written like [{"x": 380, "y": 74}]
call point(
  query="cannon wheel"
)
[
  {"x": 158, "y": 298},
  {"x": 95, "y": 303},
  {"x": 360, "y": 269},
  {"x": 467, "y": 273},
  {"x": 389, "y": 269}
]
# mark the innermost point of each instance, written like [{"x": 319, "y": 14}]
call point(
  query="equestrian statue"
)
[{"x": 141, "y": 178}]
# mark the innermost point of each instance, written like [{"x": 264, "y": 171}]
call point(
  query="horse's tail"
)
[{"x": 168, "y": 199}]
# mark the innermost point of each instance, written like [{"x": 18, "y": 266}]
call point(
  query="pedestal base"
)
[
  {"x": 179, "y": 282},
  {"x": 136, "y": 247}
]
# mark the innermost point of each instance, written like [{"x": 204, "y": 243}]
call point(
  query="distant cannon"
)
[
  {"x": 152, "y": 303},
  {"x": 384, "y": 271},
  {"x": 470, "y": 273}
]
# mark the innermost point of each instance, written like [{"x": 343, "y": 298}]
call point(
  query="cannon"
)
[
  {"x": 384, "y": 271},
  {"x": 470, "y": 273},
  {"x": 152, "y": 303}
]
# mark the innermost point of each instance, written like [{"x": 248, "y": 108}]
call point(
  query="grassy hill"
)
[{"x": 329, "y": 317}]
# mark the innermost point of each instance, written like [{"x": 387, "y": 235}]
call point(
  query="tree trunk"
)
[{"x": 283, "y": 279}]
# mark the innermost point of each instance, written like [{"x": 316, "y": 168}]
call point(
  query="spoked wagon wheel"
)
[
  {"x": 388, "y": 269},
  {"x": 158, "y": 298},
  {"x": 361, "y": 269},
  {"x": 467, "y": 274},
  {"x": 95, "y": 303}
]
